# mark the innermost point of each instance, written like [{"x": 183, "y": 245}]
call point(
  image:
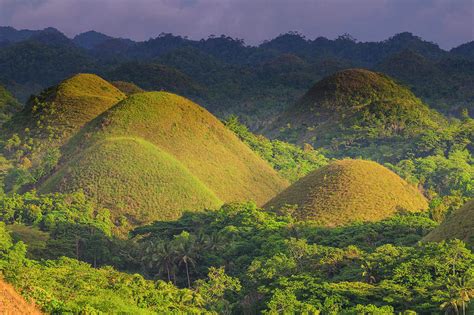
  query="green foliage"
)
[
  {"x": 64, "y": 225},
  {"x": 287, "y": 266},
  {"x": 8, "y": 105},
  {"x": 448, "y": 181},
  {"x": 291, "y": 161},
  {"x": 67, "y": 285}
]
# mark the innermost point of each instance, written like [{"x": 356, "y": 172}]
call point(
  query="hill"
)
[
  {"x": 135, "y": 179},
  {"x": 149, "y": 137},
  {"x": 60, "y": 111},
  {"x": 353, "y": 110},
  {"x": 12, "y": 303},
  {"x": 347, "y": 191},
  {"x": 459, "y": 224}
]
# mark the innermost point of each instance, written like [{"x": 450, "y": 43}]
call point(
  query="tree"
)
[{"x": 186, "y": 253}]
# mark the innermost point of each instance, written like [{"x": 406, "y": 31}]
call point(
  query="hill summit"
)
[
  {"x": 347, "y": 191},
  {"x": 354, "y": 109},
  {"x": 459, "y": 224},
  {"x": 58, "y": 112}
]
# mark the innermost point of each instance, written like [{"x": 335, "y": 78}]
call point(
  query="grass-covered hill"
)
[
  {"x": 349, "y": 191},
  {"x": 135, "y": 179},
  {"x": 8, "y": 105},
  {"x": 61, "y": 110},
  {"x": 177, "y": 155},
  {"x": 51, "y": 118},
  {"x": 353, "y": 110},
  {"x": 459, "y": 224}
]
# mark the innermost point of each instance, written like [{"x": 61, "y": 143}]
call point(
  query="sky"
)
[{"x": 445, "y": 22}]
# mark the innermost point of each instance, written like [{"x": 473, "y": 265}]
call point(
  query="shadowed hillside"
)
[
  {"x": 459, "y": 224},
  {"x": 353, "y": 110},
  {"x": 347, "y": 191}
]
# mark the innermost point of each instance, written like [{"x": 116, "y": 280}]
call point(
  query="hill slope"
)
[
  {"x": 12, "y": 303},
  {"x": 354, "y": 109},
  {"x": 349, "y": 190},
  {"x": 49, "y": 119},
  {"x": 459, "y": 224},
  {"x": 148, "y": 138},
  {"x": 134, "y": 178}
]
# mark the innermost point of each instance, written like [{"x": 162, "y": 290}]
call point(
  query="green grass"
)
[
  {"x": 134, "y": 178},
  {"x": 192, "y": 136},
  {"x": 355, "y": 109},
  {"x": 156, "y": 154},
  {"x": 459, "y": 224},
  {"x": 348, "y": 191}
]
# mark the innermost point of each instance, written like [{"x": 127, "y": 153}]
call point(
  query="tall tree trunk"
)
[{"x": 187, "y": 273}]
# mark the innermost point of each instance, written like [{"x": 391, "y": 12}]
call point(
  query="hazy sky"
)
[{"x": 446, "y": 22}]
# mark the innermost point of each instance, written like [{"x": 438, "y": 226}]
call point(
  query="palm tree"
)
[
  {"x": 460, "y": 290},
  {"x": 186, "y": 252},
  {"x": 161, "y": 254}
]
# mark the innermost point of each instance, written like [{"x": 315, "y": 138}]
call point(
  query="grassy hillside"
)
[
  {"x": 135, "y": 179},
  {"x": 156, "y": 154},
  {"x": 58, "y": 112},
  {"x": 32, "y": 138},
  {"x": 353, "y": 110},
  {"x": 347, "y": 191},
  {"x": 459, "y": 224}
]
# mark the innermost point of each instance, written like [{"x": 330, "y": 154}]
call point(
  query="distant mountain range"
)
[{"x": 229, "y": 77}]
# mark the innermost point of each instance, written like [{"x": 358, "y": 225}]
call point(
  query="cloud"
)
[{"x": 448, "y": 23}]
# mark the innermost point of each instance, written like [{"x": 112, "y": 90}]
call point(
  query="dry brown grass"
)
[
  {"x": 11, "y": 303},
  {"x": 350, "y": 190}
]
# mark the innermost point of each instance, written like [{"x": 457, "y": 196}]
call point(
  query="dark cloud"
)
[{"x": 447, "y": 22}]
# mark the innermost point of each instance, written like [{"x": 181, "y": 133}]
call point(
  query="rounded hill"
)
[
  {"x": 61, "y": 110},
  {"x": 459, "y": 224},
  {"x": 134, "y": 178},
  {"x": 347, "y": 191},
  {"x": 356, "y": 108},
  {"x": 221, "y": 166}
]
